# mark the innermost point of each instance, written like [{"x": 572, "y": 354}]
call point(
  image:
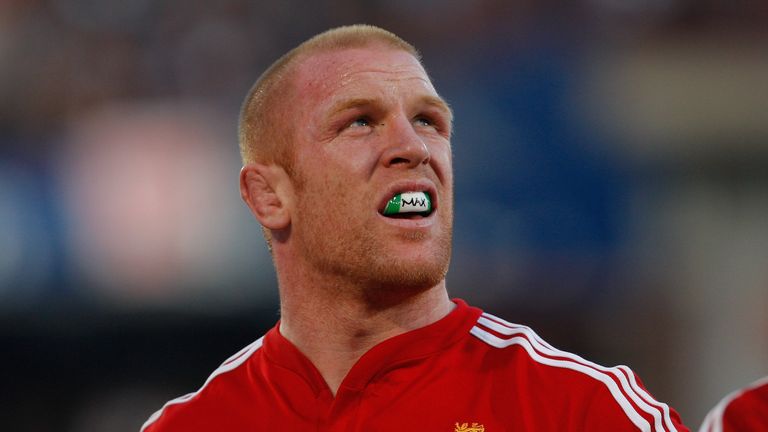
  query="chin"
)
[
  {"x": 409, "y": 272},
  {"x": 399, "y": 282}
]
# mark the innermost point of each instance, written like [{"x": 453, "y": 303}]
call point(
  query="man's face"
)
[{"x": 369, "y": 125}]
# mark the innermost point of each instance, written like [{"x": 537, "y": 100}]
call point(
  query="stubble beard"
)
[{"x": 357, "y": 257}]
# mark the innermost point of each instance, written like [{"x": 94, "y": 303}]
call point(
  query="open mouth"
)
[{"x": 408, "y": 205}]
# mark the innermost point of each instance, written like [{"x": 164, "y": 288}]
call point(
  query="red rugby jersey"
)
[
  {"x": 468, "y": 372},
  {"x": 744, "y": 410}
]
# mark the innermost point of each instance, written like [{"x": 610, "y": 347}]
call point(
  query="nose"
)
[{"x": 404, "y": 146}]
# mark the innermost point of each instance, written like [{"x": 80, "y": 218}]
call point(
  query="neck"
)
[{"x": 334, "y": 325}]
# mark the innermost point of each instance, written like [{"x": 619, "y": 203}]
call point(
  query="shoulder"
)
[
  {"x": 743, "y": 409},
  {"x": 569, "y": 380},
  {"x": 188, "y": 412}
]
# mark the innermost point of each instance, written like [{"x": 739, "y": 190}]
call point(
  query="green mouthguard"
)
[{"x": 408, "y": 202}]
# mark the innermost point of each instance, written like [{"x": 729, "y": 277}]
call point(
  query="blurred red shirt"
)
[{"x": 744, "y": 410}]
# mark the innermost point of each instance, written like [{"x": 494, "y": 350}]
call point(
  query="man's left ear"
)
[{"x": 265, "y": 189}]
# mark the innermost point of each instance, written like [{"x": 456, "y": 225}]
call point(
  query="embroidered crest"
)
[{"x": 465, "y": 427}]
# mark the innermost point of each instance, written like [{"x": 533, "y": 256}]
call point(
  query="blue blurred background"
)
[{"x": 611, "y": 164}]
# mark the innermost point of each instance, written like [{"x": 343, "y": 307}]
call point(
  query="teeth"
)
[{"x": 408, "y": 202}]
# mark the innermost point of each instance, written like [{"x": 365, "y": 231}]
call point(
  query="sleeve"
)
[
  {"x": 189, "y": 413},
  {"x": 742, "y": 410},
  {"x": 628, "y": 406},
  {"x": 169, "y": 418}
]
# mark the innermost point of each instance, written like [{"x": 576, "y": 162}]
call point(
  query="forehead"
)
[{"x": 325, "y": 76}]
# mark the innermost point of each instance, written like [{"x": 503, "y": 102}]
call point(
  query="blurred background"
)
[{"x": 611, "y": 162}]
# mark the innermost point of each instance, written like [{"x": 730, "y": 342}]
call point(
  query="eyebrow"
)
[
  {"x": 348, "y": 104},
  {"x": 429, "y": 100},
  {"x": 439, "y": 103}
]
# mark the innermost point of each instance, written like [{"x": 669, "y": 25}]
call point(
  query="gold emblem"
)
[{"x": 465, "y": 427}]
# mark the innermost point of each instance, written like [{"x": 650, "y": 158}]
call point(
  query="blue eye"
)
[
  {"x": 424, "y": 122},
  {"x": 360, "y": 122}
]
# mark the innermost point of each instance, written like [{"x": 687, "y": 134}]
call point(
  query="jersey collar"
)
[{"x": 394, "y": 352}]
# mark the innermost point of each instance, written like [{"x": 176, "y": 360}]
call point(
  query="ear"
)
[{"x": 265, "y": 189}]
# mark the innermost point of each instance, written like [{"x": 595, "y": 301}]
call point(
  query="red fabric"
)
[
  {"x": 443, "y": 377},
  {"x": 743, "y": 411}
]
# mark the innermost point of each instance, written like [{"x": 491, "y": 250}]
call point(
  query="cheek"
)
[
  {"x": 355, "y": 152},
  {"x": 443, "y": 165},
  {"x": 330, "y": 193}
]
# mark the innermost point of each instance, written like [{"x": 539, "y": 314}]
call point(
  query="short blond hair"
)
[{"x": 262, "y": 134}]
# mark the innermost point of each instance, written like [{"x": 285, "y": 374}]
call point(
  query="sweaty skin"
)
[{"x": 369, "y": 125}]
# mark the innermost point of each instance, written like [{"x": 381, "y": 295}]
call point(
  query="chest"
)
[{"x": 425, "y": 396}]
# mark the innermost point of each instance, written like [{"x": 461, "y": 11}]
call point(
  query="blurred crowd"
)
[{"x": 610, "y": 158}]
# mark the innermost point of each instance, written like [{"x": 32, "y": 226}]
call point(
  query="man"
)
[
  {"x": 347, "y": 155},
  {"x": 745, "y": 410}
]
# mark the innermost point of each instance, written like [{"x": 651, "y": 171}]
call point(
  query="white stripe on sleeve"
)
[
  {"x": 230, "y": 364},
  {"x": 625, "y": 377}
]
